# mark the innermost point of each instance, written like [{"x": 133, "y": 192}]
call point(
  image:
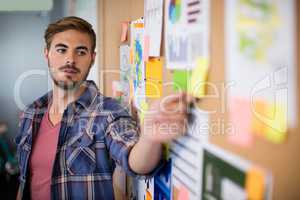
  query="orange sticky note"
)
[
  {"x": 154, "y": 69},
  {"x": 175, "y": 193},
  {"x": 148, "y": 195},
  {"x": 255, "y": 184},
  {"x": 124, "y": 31},
  {"x": 139, "y": 25},
  {"x": 131, "y": 56},
  {"x": 153, "y": 73}
]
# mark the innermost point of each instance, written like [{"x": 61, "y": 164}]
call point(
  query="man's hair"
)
[{"x": 70, "y": 23}]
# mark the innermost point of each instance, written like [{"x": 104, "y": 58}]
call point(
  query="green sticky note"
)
[{"x": 180, "y": 79}]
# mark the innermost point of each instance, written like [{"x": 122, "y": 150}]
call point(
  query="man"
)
[{"x": 71, "y": 138}]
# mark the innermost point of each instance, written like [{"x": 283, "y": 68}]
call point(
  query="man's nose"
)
[{"x": 70, "y": 58}]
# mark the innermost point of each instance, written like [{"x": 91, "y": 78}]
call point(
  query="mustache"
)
[{"x": 68, "y": 66}]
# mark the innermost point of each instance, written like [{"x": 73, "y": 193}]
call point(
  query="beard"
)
[{"x": 69, "y": 85}]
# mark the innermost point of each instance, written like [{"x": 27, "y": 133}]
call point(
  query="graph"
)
[
  {"x": 137, "y": 60},
  {"x": 174, "y": 10}
]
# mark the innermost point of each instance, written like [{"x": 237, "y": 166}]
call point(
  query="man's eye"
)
[
  {"x": 61, "y": 50},
  {"x": 81, "y": 53}
]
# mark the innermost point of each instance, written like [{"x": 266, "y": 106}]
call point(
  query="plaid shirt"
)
[{"x": 96, "y": 134}]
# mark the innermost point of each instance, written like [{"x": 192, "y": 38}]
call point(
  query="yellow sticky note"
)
[
  {"x": 153, "y": 72},
  {"x": 143, "y": 110},
  {"x": 275, "y": 128},
  {"x": 198, "y": 79},
  {"x": 257, "y": 126},
  {"x": 154, "y": 69},
  {"x": 255, "y": 184},
  {"x": 153, "y": 88}
]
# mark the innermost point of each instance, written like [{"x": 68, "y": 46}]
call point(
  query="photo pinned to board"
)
[
  {"x": 125, "y": 73},
  {"x": 261, "y": 62},
  {"x": 186, "y": 32},
  {"x": 153, "y": 11},
  {"x": 228, "y": 177},
  {"x": 138, "y": 66}
]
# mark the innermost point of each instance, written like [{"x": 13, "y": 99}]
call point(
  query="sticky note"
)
[
  {"x": 270, "y": 121},
  {"x": 275, "y": 128},
  {"x": 153, "y": 88},
  {"x": 117, "y": 89},
  {"x": 124, "y": 31},
  {"x": 255, "y": 184},
  {"x": 131, "y": 56},
  {"x": 240, "y": 122},
  {"x": 138, "y": 25},
  {"x": 197, "y": 83},
  {"x": 146, "y": 48},
  {"x": 154, "y": 69},
  {"x": 257, "y": 126},
  {"x": 131, "y": 89},
  {"x": 175, "y": 193},
  {"x": 148, "y": 195},
  {"x": 180, "y": 79},
  {"x": 153, "y": 73},
  {"x": 143, "y": 109},
  {"x": 183, "y": 193}
]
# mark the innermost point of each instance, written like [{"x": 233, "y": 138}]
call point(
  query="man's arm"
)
[{"x": 165, "y": 121}]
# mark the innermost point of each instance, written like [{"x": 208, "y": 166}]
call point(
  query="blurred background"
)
[{"x": 24, "y": 75}]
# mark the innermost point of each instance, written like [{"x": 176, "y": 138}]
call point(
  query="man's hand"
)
[{"x": 165, "y": 121}]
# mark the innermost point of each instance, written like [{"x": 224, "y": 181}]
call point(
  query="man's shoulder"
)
[
  {"x": 111, "y": 106},
  {"x": 39, "y": 103}
]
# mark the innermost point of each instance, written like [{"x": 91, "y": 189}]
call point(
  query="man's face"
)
[{"x": 70, "y": 58}]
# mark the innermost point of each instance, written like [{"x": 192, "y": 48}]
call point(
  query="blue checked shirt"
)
[{"x": 96, "y": 134}]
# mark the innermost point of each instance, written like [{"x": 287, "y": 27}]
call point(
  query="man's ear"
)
[
  {"x": 46, "y": 53},
  {"x": 93, "y": 57}
]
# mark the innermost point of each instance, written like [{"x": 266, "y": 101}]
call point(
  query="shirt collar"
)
[
  {"x": 86, "y": 99},
  {"x": 89, "y": 95}
]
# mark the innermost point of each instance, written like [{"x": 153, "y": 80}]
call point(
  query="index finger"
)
[{"x": 176, "y": 97}]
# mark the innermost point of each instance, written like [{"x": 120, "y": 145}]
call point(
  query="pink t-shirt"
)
[{"x": 42, "y": 159}]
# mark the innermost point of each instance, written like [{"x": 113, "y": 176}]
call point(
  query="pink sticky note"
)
[
  {"x": 146, "y": 48},
  {"x": 183, "y": 193},
  {"x": 124, "y": 31},
  {"x": 240, "y": 122}
]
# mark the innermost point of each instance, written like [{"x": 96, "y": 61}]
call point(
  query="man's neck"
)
[{"x": 62, "y": 98}]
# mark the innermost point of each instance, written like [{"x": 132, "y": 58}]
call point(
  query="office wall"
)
[{"x": 281, "y": 160}]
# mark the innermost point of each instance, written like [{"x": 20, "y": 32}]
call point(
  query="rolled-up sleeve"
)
[{"x": 122, "y": 134}]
